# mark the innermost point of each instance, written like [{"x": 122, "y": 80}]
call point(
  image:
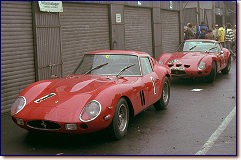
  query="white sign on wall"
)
[
  {"x": 139, "y": 3},
  {"x": 171, "y": 5},
  {"x": 50, "y": 6},
  {"x": 118, "y": 18}
]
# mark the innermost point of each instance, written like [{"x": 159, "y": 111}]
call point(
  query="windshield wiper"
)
[
  {"x": 192, "y": 48},
  {"x": 123, "y": 69},
  {"x": 97, "y": 67},
  {"x": 210, "y": 49}
]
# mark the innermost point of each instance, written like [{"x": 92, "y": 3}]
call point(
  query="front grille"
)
[
  {"x": 177, "y": 72},
  {"x": 45, "y": 125},
  {"x": 178, "y": 65}
]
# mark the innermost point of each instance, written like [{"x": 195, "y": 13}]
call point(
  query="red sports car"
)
[
  {"x": 198, "y": 58},
  {"x": 105, "y": 91}
]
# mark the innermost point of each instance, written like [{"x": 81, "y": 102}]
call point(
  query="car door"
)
[{"x": 149, "y": 80}]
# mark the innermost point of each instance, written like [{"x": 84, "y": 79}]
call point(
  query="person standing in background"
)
[
  {"x": 200, "y": 28},
  {"x": 188, "y": 33},
  {"x": 234, "y": 42},
  {"x": 202, "y": 34},
  {"x": 229, "y": 38},
  {"x": 221, "y": 35},
  {"x": 215, "y": 32},
  {"x": 209, "y": 35},
  {"x": 194, "y": 28}
]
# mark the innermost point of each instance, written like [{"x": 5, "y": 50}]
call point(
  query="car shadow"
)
[
  {"x": 176, "y": 81},
  {"x": 64, "y": 140}
]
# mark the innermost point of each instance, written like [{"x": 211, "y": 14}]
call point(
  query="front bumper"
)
[
  {"x": 60, "y": 127},
  {"x": 189, "y": 72}
]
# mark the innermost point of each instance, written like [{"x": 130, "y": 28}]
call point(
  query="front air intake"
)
[{"x": 44, "y": 125}]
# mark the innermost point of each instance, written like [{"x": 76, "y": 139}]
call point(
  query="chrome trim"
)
[
  {"x": 154, "y": 85},
  {"x": 43, "y": 98},
  {"x": 204, "y": 66},
  {"x": 140, "y": 67},
  {"x": 95, "y": 116},
  {"x": 25, "y": 101}
]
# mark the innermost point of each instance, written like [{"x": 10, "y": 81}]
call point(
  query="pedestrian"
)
[
  {"x": 194, "y": 28},
  {"x": 202, "y": 34},
  {"x": 221, "y": 35},
  {"x": 184, "y": 31},
  {"x": 229, "y": 38},
  {"x": 210, "y": 35},
  {"x": 199, "y": 30},
  {"x": 215, "y": 32},
  {"x": 234, "y": 42},
  {"x": 188, "y": 33}
]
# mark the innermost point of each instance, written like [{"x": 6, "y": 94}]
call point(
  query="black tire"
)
[
  {"x": 120, "y": 121},
  {"x": 227, "y": 68},
  {"x": 162, "y": 103},
  {"x": 211, "y": 77}
]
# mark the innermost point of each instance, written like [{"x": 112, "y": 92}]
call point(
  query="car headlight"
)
[
  {"x": 160, "y": 62},
  {"x": 90, "y": 111},
  {"x": 201, "y": 66},
  {"x": 18, "y": 105}
]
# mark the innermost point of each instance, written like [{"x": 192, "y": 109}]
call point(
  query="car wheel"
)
[
  {"x": 211, "y": 77},
  {"x": 227, "y": 68},
  {"x": 162, "y": 103},
  {"x": 119, "y": 125}
]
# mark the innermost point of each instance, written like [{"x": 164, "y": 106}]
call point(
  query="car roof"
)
[
  {"x": 120, "y": 52},
  {"x": 205, "y": 40}
]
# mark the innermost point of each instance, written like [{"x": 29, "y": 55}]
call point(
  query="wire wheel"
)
[
  {"x": 165, "y": 92},
  {"x": 162, "y": 103},
  {"x": 118, "y": 127},
  {"x": 122, "y": 117}
]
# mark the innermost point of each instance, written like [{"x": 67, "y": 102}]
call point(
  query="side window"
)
[{"x": 146, "y": 66}]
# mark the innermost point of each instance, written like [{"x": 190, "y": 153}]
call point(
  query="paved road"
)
[{"x": 183, "y": 129}]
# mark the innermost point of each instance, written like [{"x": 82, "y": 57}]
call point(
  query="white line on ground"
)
[{"x": 217, "y": 133}]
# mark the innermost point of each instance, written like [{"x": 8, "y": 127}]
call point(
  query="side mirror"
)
[{"x": 221, "y": 52}]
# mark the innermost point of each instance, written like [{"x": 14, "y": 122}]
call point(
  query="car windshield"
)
[
  {"x": 109, "y": 64},
  {"x": 198, "y": 46}
]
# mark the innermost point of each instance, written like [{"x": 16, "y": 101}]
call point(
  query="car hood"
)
[
  {"x": 79, "y": 84},
  {"x": 70, "y": 95},
  {"x": 185, "y": 58}
]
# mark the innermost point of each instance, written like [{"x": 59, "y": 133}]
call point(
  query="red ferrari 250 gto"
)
[
  {"x": 198, "y": 58},
  {"x": 105, "y": 91}
]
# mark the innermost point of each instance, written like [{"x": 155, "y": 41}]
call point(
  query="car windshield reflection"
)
[
  {"x": 198, "y": 46},
  {"x": 109, "y": 64}
]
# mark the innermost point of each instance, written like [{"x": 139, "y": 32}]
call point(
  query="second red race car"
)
[{"x": 198, "y": 58}]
